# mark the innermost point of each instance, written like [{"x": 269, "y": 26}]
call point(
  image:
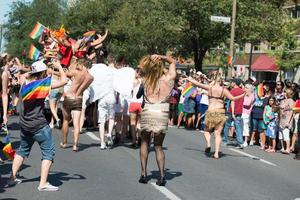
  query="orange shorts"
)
[{"x": 135, "y": 108}]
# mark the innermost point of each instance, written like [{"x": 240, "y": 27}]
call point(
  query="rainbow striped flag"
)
[
  {"x": 37, "y": 30},
  {"x": 34, "y": 53},
  {"x": 188, "y": 90},
  {"x": 8, "y": 151},
  {"x": 38, "y": 89},
  {"x": 260, "y": 90}
]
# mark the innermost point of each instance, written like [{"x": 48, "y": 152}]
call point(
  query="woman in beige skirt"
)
[{"x": 158, "y": 83}]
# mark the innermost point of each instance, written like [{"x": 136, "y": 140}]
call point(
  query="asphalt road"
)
[{"x": 249, "y": 174}]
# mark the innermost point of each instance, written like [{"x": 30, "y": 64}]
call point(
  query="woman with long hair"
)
[
  {"x": 158, "y": 83},
  {"x": 215, "y": 115},
  {"x": 33, "y": 124}
]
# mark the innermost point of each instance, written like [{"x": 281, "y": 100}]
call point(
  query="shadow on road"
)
[
  {"x": 57, "y": 178},
  {"x": 221, "y": 154},
  {"x": 169, "y": 175}
]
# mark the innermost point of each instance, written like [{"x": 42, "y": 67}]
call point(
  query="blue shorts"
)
[
  {"x": 43, "y": 137},
  {"x": 202, "y": 108},
  {"x": 258, "y": 125},
  {"x": 55, "y": 94}
]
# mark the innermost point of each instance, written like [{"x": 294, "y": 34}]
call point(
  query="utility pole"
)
[{"x": 232, "y": 35}]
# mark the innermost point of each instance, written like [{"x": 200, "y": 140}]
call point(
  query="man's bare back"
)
[{"x": 81, "y": 79}]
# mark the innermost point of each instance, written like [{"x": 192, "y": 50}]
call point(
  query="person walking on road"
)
[
  {"x": 34, "y": 126},
  {"x": 158, "y": 84},
  {"x": 215, "y": 115}
]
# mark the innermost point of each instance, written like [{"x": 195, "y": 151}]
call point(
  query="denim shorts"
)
[
  {"x": 44, "y": 139},
  {"x": 258, "y": 125}
]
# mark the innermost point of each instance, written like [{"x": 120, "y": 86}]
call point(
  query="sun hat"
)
[{"x": 38, "y": 66}]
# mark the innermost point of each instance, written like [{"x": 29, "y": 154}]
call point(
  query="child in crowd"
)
[
  {"x": 271, "y": 120},
  {"x": 189, "y": 106}
]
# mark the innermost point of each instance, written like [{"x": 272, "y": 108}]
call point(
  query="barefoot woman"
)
[{"x": 158, "y": 84}]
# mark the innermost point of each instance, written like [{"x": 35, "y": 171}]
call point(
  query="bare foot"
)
[{"x": 62, "y": 145}]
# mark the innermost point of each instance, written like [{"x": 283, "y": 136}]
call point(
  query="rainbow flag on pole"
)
[
  {"x": 260, "y": 90},
  {"x": 188, "y": 90},
  {"x": 37, "y": 30},
  {"x": 34, "y": 53},
  {"x": 38, "y": 89}
]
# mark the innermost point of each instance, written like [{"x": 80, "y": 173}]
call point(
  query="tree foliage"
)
[
  {"x": 22, "y": 18},
  {"x": 139, "y": 27}
]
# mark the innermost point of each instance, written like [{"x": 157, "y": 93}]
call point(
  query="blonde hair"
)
[
  {"x": 151, "y": 71},
  {"x": 215, "y": 77}
]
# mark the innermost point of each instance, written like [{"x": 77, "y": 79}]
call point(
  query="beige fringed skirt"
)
[
  {"x": 155, "y": 118},
  {"x": 214, "y": 118}
]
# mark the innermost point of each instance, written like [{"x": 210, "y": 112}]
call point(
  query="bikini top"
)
[{"x": 220, "y": 98}]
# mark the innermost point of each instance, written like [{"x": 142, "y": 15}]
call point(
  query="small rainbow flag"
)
[
  {"x": 8, "y": 151},
  {"x": 37, "y": 30},
  {"x": 38, "y": 89},
  {"x": 297, "y": 106},
  {"x": 34, "y": 53},
  {"x": 188, "y": 90},
  {"x": 260, "y": 90}
]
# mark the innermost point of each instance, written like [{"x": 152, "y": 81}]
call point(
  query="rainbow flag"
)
[
  {"x": 34, "y": 53},
  {"x": 38, "y": 89},
  {"x": 297, "y": 106},
  {"x": 37, "y": 30},
  {"x": 260, "y": 90},
  {"x": 188, "y": 90},
  {"x": 8, "y": 151}
]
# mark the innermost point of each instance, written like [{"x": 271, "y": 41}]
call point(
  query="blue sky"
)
[{"x": 5, "y": 7}]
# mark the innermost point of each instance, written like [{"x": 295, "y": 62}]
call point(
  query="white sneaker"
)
[
  {"x": 48, "y": 188},
  {"x": 251, "y": 143},
  {"x": 245, "y": 144},
  {"x": 12, "y": 182},
  {"x": 103, "y": 146}
]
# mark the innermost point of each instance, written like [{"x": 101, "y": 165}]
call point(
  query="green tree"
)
[{"x": 22, "y": 18}]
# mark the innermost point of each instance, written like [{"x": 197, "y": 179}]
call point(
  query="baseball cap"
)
[{"x": 38, "y": 66}]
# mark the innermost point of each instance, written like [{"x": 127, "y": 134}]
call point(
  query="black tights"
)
[{"x": 159, "y": 153}]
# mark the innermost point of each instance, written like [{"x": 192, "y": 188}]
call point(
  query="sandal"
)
[
  {"x": 214, "y": 157},
  {"x": 207, "y": 150},
  {"x": 75, "y": 148},
  {"x": 161, "y": 181},
  {"x": 62, "y": 145},
  {"x": 271, "y": 151}
]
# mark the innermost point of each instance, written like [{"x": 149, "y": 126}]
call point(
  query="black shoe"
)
[
  {"x": 117, "y": 140},
  {"x": 134, "y": 146},
  {"x": 207, "y": 150},
  {"x": 161, "y": 182},
  {"x": 143, "y": 179}
]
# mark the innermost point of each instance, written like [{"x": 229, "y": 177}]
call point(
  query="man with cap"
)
[
  {"x": 235, "y": 114},
  {"x": 33, "y": 124}
]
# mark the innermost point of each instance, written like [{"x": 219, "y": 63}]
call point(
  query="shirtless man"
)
[{"x": 72, "y": 105}]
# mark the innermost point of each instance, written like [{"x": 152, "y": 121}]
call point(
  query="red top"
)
[
  {"x": 238, "y": 104},
  {"x": 66, "y": 53}
]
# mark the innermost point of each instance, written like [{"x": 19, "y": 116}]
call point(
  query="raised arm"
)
[
  {"x": 231, "y": 97},
  {"x": 5, "y": 95},
  {"x": 198, "y": 84},
  {"x": 100, "y": 39},
  {"x": 63, "y": 78}
]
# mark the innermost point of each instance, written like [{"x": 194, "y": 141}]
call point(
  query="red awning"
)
[{"x": 264, "y": 64}]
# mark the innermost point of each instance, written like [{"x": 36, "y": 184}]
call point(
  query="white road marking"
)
[
  {"x": 93, "y": 136},
  {"x": 166, "y": 192},
  {"x": 253, "y": 157}
]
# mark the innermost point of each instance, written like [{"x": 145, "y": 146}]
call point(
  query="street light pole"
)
[{"x": 232, "y": 35}]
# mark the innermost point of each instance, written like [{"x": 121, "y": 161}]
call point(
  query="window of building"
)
[
  {"x": 256, "y": 47},
  {"x": 295, "y": 14},
  {"x": 241, "y": 48}
]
